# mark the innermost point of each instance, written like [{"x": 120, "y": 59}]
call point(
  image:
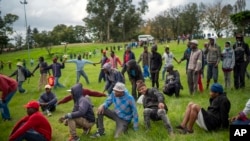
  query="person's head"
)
[
  {"x": 119, "y": 89},
  {"x": 112, "y": 54},
  {"x": 239, "y": 38},
  {"x": 193, "y": 44},
  {"x": 19, "y": 64},
  {"x": 54, "y": 59},
  {"x": 41, "y": 59},
  {"x": 32, "y": 107},
  {"x": 170, "y": 68},
  {"x": 76, "y": 91},
  {"x": 154, "y": 48},
  {"x": 128, "y": 48},
  {"x": 205, "y": 44},
  {"x": 215, "y": 90},
  {"x": 141, "y": 87},
  {"x": 167, "y": 49},
  {"x": 47, "y": 88},
  {"x": 227, "y": 44},
  {"x": 79, "y": 57},
  {"x": 106, "y": 67},
  {"x": 212, "y": 40}
]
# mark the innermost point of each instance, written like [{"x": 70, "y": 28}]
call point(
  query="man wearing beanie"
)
[
  {"x": 215, "y": 117},
  {"x": 154, "y": 105}
]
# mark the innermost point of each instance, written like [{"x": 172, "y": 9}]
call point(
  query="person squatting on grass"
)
[
  {"x": 56, "y": 71},
  {"x": 134, "y": 74},
  {"x": 82, "y": 115},
  {"x": 215, "y": 117},
  {"x": 8, "y": 87},
  {"x": 80, "y": 63},
  {"x": 48, "y": 101},
  {"x": 172, "y": 83},
  {"x": 112, "y": 76},
  {"x": 33, "y": 127},
  {"x": 155, "y": 66},
  {"x": 228, "y": 61},
  {"x": 124, "y": 111},
  {"x": 145, "y": 57},
  {"x": 213, "y": 53},
  {"x": 241, "y": 118},
  {"x": 43, "y": 73},
  {"x": 155, "y": 107},
  {"x": 194, "y": 67},
  {"x": 20, "y": 76},
  {"x": 85, "y": 93}
]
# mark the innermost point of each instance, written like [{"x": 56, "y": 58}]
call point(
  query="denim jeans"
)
[
  {"x": 31, "y": 135},
  {"x": 57, "y": 84},
  {"x": 81, "y": 73},
  {"x": 4, "y": 106},
  {"x": 20, "y": 88},
  {"x": 146, "y": 71}
]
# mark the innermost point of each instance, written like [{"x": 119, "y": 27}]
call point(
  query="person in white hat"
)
[
  {"x": 124, "y": 111},
  {"x": 20, "y": 76},
  {"x": 48, "y": 101},
  {"x": 194, "y": 66}
]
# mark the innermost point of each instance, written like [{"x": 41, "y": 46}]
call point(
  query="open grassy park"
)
[{"x": 176, "y": 106}]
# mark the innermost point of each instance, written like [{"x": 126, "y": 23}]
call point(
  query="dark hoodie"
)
[
  {"x": 134, "y": 70},
  {"x": 82, "y": 107}
]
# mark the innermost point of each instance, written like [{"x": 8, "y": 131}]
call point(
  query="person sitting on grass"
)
[
  {"x": 33, "y": 127},
  {"x": 48, "y": 101},
  {"x": 215, "y": 117},
  {"x": 82, "y": 115},
  {"x": 241, "y": 118},
  {"x": 154, "y": 105},
  {"x": 124, "y": 111}
]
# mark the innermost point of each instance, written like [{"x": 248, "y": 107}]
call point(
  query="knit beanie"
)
[{"x": 217, "y": 88}]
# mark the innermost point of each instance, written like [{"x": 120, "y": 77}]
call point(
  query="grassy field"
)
[{"x": 176, "y": 106}]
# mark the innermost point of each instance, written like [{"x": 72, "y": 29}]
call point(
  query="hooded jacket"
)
[
  {"x": 134, "y": 70},
  {"x": 82, "y": 107},
  {"x": 213, "y": 53}
]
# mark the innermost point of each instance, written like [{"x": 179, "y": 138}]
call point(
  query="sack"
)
[
  {"x": 140, "y": 99},
  {"x": 51, "y": 80}
]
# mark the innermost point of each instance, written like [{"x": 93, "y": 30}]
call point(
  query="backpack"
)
[{"x": 27, "y": 73}]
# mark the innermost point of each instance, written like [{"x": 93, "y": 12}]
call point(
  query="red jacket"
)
[
  {"x": 84, "y": 93},
  {"x": 36, "y": 121},
  {"x": 7, "y": 85}
]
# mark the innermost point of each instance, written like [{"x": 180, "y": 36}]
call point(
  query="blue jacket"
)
[{"x": 56, "y": 69}]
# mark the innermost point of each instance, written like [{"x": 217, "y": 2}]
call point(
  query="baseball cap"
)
[
  {"x": 47, "y": 87},
  {"x": 119, "y": 87},
  {"x": 32, "y": 104}
]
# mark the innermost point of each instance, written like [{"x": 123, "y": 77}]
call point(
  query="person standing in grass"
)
[
  {"x": 20, "y": 76},
  {"x": 33, "y": 127},
  {"x": 80, "y": 63},
  {"x": 43, "y": 73},
  {"x": 128, "y": 55},
  {"x": 194, "y": 67},
  {"x": 124, "y": 111},
  {"x": 8, "y": 87},
  {"x": 155, "y": 107},
  {"x": 48, "y": 101},
  {"x": 104, "y": 60},
  {"x": 82, "y": 115},
  {"x": 145, "y": 58},
  {"x": 114, "y": 60},
  {"x": 215, "y": 117},
  {"x": 155, "y": 66},
  {"x": 186, "y": 55},
  {"x": 56, "y": 71},
  {"x": 228, "y": 61}
]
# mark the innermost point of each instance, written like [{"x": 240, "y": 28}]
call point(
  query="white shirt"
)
[{"x": 168, "y": 58}]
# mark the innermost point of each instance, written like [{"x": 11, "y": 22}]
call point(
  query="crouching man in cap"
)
[
  {"x": 124, "y": 111},
  {"x": 82, "y": 115},
  {"x": 172, "y": 83},
  {"x": 154, "y": 106},
  {"x": 33, "y": 127},
  {"x": 215, "y": 117}
]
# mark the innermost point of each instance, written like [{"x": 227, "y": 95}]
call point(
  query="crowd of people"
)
[{"x": 234, "y": 58}]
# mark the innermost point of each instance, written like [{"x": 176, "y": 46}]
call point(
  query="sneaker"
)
[
  {"x": 48, "y": 113},
  {"x": 76, "y": 138},
  {"x": 97, "y": 135}
]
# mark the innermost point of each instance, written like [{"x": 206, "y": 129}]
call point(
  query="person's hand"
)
[
  {"x": 161, "y": 106},
  {"x": 233, "y": 118},
  {"x": 61, "y": 119},
  {"x": 100, "y": 109}
]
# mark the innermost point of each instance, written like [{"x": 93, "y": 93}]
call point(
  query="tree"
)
[
  {"x": 239, "y": 6},
  {"x": 217, "y": 17},
  {"x": 241, "y": 20}
]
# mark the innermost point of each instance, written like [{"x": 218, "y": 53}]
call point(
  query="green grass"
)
[{"x": 176, "y": 106}]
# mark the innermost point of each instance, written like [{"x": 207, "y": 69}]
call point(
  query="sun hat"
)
[
  {"x": 19, "y": 64},
  {"x": 194, "y": 42},
  {"x": 119, "y": 87}
]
